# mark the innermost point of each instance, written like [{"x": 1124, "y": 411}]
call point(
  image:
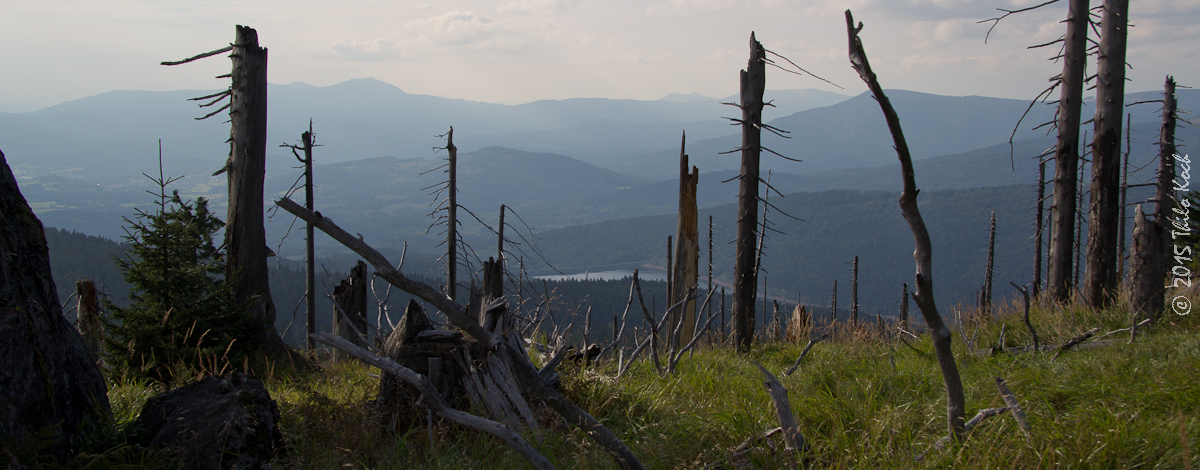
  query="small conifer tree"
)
[{"x": 180, "y": 312}]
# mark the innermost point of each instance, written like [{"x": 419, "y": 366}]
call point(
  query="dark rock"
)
[
  {"x": 48, "y": 381},
  {"x": 217, "y": 423}
]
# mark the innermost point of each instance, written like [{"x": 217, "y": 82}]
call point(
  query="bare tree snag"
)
[
  {"x": 1100, "y": 283},
  {"x": 1165, "y": 197},
  {"x": 245, "y": 235},
  {"x": 986, "y": 297},
  {"x": 1037, "y": 228},
  {"x": 1124, "y": 210},
  {"x": 923, "y": 292},
  {"x": 792, "y": 439},
  {"x": 903, "y": 317},
  {"x": 310, "y": 272},
  {"x": 435, "y": 401},
  {"x": 1028, "y": 324},
  {"x": 833, "y": 304},
  {"x": 1147, "y": 270},
  {"x": 745, "y": 275},
  {"x": 687, "y": 250},
  {"x": 1066, "y": 153},
  {"x": 452, "y": 218},
  {"x": 350, "y": 308},
  {"x": 524, "y": 373},
  {"x": 91, "y": 327},
  {"x": 854, "y": 294}
]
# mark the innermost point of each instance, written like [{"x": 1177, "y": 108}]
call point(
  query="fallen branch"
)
[
  {"x": 1074, "y": 341},
  {"x": 434, "y": 400},
  {"x": 792, "y": 439},
  {"x": 803, "y": 353},
  {"x": 971, "y": 424},
  {"x": 1013, "y": 406}
]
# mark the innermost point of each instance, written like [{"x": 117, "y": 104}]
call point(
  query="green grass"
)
[{"x": 1119, "y": 405}]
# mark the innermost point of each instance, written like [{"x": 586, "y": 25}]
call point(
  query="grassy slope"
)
[{"x": 1114, "y": 406}]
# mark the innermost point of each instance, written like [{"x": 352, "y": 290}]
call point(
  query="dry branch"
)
[
  {"x": 434, "y": 399},
  {"x": 923, "y": 292},
  {"x": 1013, "y": 406},
  {"x": 792, "y": 439},
  {"x": 1074, "y": 341},
  {"x": 803, "y": 353}
]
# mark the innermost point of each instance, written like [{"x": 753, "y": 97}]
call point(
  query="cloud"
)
[
  {"x": 374, "y": 49},
  {"x": 535, "y": 7}
]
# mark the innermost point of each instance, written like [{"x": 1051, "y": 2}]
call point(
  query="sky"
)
[{"x": 517, "y": 51}]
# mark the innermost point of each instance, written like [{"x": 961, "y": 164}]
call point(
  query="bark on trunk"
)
[
  {"x": 1100, "y": 282},
  {"x": 1165, "y": 192},
  {"x": 687, "y": 251},
  {"x": 1066, "y": 153},
  {"x": 745, "y": 275},
  {"x": 923, "y": 293},
  {"x": 245, "y": 235},
  {"x": 350, "y": 309}
]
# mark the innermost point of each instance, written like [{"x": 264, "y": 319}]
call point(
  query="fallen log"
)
[{"x": 1074, "y": 341}]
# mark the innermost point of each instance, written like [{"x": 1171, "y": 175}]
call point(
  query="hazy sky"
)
[{"x": 523, "y": 50}]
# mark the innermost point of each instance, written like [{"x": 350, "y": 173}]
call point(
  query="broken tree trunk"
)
[
  {"x": 792, "y": 439},
  {"x": 687, "y": 251},
  {"x": 745, "y": 275},
  {"x": 1100, "y": 282},
  {"x": 923, "y": 254},
  {"x": 435, "y": 401},
  {"x": 350, "y": 308},
  {"x": 245, "y": 235},
  {"x": 1066, "y": 153},
  {"x": 505, "y": 346},
  {"x": 1165, "y": 192},
  {"x": 1147, "y": 270},
  {"x": 452, "y": 217},
  {"x": 91, "y": 327}
]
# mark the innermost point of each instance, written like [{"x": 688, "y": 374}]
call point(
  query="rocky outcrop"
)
[
  {"x": 217, "y": 423},
  {"x": 48, "y": 381}
]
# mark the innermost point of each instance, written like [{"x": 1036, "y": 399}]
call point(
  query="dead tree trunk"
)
[
  {"x": 745, "y": 276},
  {"x": 687, "y": 251},
  {"x": 350, "y": 308},
  {"x": 91, "y": 327},
  {"x": 48, "y": 381},
  {"x": 1146, "y": 268},
  {"x": 310, "y": 270},
  {"x": 245, "y": 235},
  {"x": 1038, "y": 225},
  {"x": 903, "y": 317},
  {"x": 923, "y": 254},
  {"x": 1079, "y": 218},
  {"x": 854, "y": 294},
  {"x": 833, "y": 305},
  {"x": 1124, "y": 212},
  {"x": 1066, "y": 153},
  {"x": 452, "y": 218},
  {"x": 986, "y": 297},
  {"x": 1100, "y": 283},
  {"x": 1152, "y": 303}
]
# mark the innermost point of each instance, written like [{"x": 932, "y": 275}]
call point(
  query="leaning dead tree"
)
[
  {"x": 1100, "y": 282},
  {"x": 745, "y": 275},
  {"x": 245, "y": 234},
  {"x": 307, "y": 142},
  {"x": 503, "y": 343},
  {"x": 687, "y": 251},
  {"x": 923, "y": 290},
  {"x": 1066, "y": 152}
]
